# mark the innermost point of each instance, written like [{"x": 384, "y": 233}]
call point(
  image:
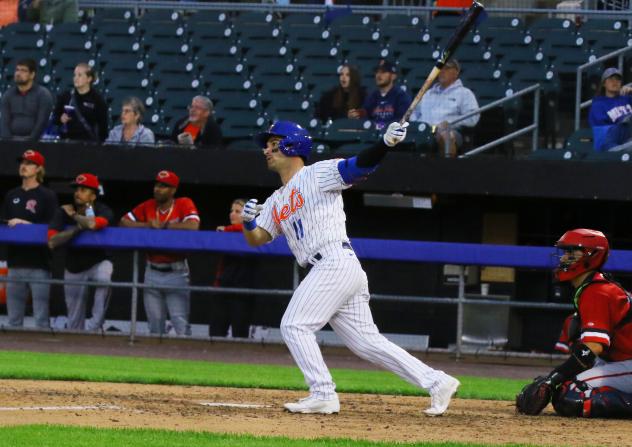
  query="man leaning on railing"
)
[{"x": 165, "y": 212}]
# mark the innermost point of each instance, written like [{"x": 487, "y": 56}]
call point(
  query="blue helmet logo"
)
[{"x": 295, "y": 142}]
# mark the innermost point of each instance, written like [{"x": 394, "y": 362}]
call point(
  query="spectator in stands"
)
[
  {"x": 131, "y": 131},
  {"x": 26, "y": 107},
  {"x": 446, "y": 101},
  {"x": 348, "y": 95},
  {"x": 9, "y": 12},
  {"x": 30, "y": 203},
  {"x": 53, "y": 11},
  {"x": 165, "y": 212},
  {"x": 386, "y": 104},
  {"x": 83, "y": 264},
  {"x": 81, "y": 113},
  {"x": 199, "y": 128},
  {"x": 233, "y": 271},
  {"x": 611, "y": 111}
]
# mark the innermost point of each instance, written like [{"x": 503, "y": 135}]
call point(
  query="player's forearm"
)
[
  {"x": 186, "y": 225},
  {"x": 62, "y": 237},
  {"x": 256, "y": 237},
  {"x": 131, "y": 224}
]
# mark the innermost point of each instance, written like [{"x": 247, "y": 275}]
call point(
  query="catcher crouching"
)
[{"x": 596, "y": 379}]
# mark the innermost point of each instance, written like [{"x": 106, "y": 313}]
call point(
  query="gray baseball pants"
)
[{"x": 77, "y": 297}]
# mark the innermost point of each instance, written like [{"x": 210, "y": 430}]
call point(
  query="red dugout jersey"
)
[
  {"x": 603, "y": 305},
  {"x": 183, "y": 209}
]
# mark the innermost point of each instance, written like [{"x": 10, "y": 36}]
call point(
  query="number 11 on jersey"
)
[{"x": 298, "y": 228}]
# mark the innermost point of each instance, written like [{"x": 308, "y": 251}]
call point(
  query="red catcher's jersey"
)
[
  {"x": 602, "y": 306},
  {"x": 183, "y": 209}
]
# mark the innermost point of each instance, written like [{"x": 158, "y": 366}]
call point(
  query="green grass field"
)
[
  {"x": 55, "y": 436},
  {"x": 92, "y": 368}
]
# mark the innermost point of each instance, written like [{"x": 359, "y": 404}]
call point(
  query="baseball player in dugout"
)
[
  {"x": 30, "y": 203},
  {"x": 166, "y": 212},
  {"x": 596, "y": 379},
  {"x": 308, "y": 210},
  {"x": 83, "y": 264}
]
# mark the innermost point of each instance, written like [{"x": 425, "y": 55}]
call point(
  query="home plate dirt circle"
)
[{"x": 260, "y": 412}]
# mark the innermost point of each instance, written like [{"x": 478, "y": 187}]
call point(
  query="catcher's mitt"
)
[{"x": 534, "y": 397}]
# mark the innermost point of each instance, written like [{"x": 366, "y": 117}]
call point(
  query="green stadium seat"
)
[
  {"x": 346, "y": 131},
  {"x": 548, "y": 27},
  {"x": 108, "y": 16},
  {"x": 290, "y": 105},
  {"x": 580, "y": 142},
  {"x": 205, "y": 36},
  {"x": 597, "y": 24},
  {"x": 393, "y": 21},
  {"x": 206, "y": 18},
  {"x": 249, "y": 19},
  {"x": 153, "y": 17},
  {"x": 301, "y": 20},
  {"x": 553, "y": 155},
  {"x": 495, "y": 25},
  {"x": 242, "y": 125},
  {"x": 618, "y": 156}
]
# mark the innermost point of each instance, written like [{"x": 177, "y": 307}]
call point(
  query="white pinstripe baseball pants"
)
[{"x": 336, "y": 292}]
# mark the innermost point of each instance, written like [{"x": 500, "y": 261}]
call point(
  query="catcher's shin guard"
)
[
  {"x": 568, "y": 399},
  {"x": 575, "y": 399}
]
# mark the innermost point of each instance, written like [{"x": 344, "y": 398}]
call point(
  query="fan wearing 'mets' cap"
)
[
  {"x": 85, "y": 213},
  {"x": 29, "y": 203},
  {"x": 166, "y": 212}
]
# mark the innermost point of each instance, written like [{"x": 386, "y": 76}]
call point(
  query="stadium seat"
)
[
  {"x": 301, "y": 19},
  {"x": 250, "y": 19},
  {"x": 207, "y": 18},
  {"x": 618, "y": 156},
  {"x": 317, "y": 53},
  {"x": 546, "y": 77},
  {"x": 288, "y": 106},
  {"x": 547, "y": 27},
  {"x": 604, "y": 42},
  {"x": 346, "y": 131},
  {"x": 419, "y": 137},
  {"x": 242, "y": 125},
  {"x": 298, "y": 36},
  {"x": 202, "y": 35},
  {"x": 228, "y": 83},
  {"x": 153, "y": 17},
  {"x": 495, "y": 25},
  {"x": 597, "y": 24},
  {"x": 108, "y": 16},
  {"x": 580, "y": 142},
  {"x": 553, "y": 154},
  {"x": 393, "y": 21}
]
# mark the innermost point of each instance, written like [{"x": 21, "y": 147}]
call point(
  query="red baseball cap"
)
[
  {"x": 168, "y": 178},
  {"x": 88, "y": 180},
  {"x": 33, "y": 157}
]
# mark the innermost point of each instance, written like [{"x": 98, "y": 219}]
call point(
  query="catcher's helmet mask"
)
[{"x": 594, "y": 249}]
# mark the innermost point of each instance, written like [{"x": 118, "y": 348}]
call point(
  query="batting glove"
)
[
  {"x": 395, "y": 134},
  {"x": 250, "y": 212}
]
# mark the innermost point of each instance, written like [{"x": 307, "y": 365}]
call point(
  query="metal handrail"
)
[
  {"x": 578, "y": 85},
  {"x": 531, "y": 128}
]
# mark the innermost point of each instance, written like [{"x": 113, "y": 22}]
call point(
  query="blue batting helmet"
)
[{"x": 296, "y": 141}]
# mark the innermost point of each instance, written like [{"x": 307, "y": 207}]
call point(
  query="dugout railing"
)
[{"x": 461, "y": 254}]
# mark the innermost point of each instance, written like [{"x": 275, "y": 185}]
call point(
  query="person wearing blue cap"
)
[
  {"x": 388, "y": 102},
  {"x": 611, "y": 111}
]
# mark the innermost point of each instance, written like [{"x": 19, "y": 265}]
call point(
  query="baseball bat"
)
[{"x": 462, "y": 29}]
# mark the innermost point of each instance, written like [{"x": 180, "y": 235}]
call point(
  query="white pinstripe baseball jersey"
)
[{"x": 308, "y": 210}]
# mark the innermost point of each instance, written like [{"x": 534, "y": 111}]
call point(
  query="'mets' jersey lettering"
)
[
  {"x": 308, "y": 210},
  {"x": 602, "y": 306}
]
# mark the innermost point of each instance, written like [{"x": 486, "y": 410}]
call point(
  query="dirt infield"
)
[{"x": 384, "y": 418}]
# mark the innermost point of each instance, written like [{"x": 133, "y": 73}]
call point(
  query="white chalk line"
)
[
  {"x": 63, "y": 408},
  {"x": 232, "y": 405}
]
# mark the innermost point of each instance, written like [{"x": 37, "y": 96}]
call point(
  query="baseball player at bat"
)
[
  {"x": 308, "y": 211},
  {"x": 596, "y": 379}
]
